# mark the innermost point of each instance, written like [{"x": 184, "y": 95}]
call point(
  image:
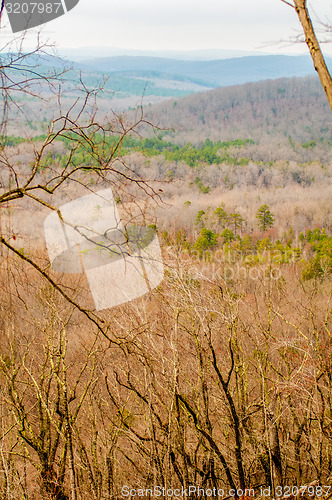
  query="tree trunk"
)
[{"x": 314, "y": 48}]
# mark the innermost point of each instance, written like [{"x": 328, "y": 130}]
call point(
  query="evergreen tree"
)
[
  {"x": 265, "y": 217},
  {"x": 222, "y": 215},
  {"x": 236, "y": 220}
]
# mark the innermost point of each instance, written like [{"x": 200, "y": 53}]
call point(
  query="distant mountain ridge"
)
[
  {"x": 79, "y": 54},
  {"x": 214, "y": 73},
  {"x": 164, "y": 77}
]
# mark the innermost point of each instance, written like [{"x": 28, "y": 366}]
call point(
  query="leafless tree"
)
[{"x": 302, "y": 11}]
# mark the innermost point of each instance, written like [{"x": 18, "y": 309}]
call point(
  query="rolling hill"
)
[
  {"x": 283, "y": 108},
  {"x": 214, "y": 73}
]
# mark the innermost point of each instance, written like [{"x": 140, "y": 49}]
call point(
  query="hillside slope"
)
[{"x": 283, "y": 108}]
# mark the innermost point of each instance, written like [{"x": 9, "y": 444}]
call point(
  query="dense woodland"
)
[
  {"x": 271, "y": 111},
  {"x": 221, "y": 377}
]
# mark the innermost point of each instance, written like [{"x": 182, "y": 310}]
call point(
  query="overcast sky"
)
[{"x": 181, "y": 25}]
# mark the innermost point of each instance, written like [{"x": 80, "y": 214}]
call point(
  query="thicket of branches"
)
[{"x": 207, "y": 381}]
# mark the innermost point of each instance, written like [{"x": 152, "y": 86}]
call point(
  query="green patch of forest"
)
[
  {"x": 207, "y": 153},
  {"x": 222, "y": 231}
]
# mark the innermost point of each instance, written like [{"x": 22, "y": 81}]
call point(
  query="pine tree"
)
[{"x": 265, "y": 217}]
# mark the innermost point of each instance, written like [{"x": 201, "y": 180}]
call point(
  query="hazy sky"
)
[{"x": 181, "y": 24}]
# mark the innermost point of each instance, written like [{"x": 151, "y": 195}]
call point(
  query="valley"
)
[{"x": 219, "y": 375}]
